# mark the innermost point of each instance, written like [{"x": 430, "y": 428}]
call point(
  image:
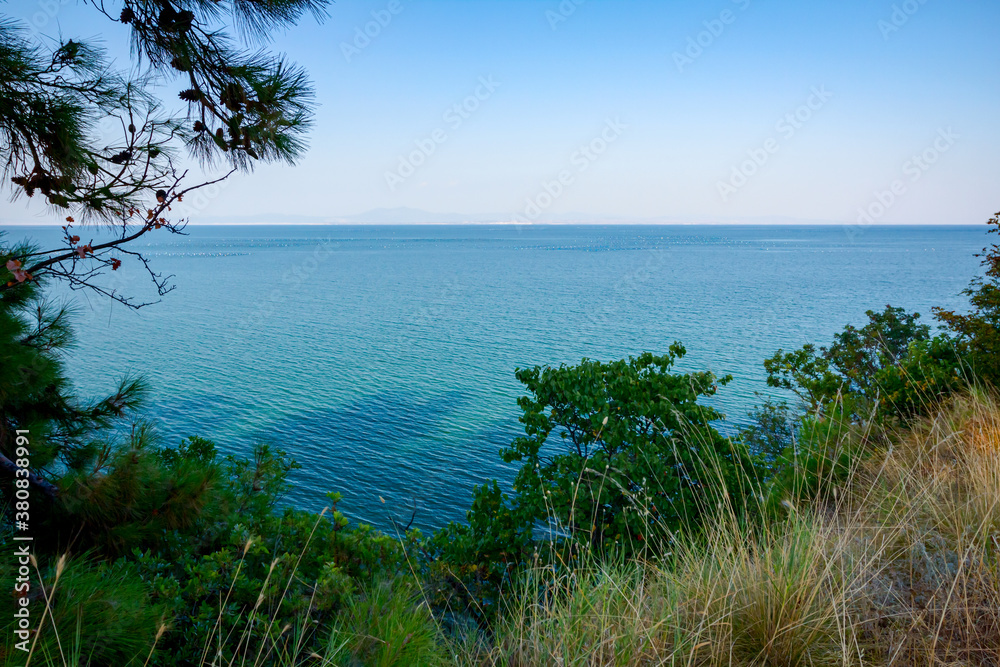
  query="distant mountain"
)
[
  {"x": 404, "y": 216},
  {"x": 260, "y": 219},
  {"x": 413, "y": 216},
  {"x": 410, "y": 216},
  {"x": 378, "y": 216}
]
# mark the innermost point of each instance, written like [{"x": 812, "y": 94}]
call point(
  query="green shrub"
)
[
  {"x": 98, "y": 613},
  {"x": 889, "y": 369},
  {"x": 633, "y": 458},
  {"x": 931, "y": 370},
  {"x": 979, "y": 329},
  {"x": 825, "y": 452},
  {"x": 770, "y": 435},
  {"x": 388, "y": 625},
  {"x": 269, "y": 582}
]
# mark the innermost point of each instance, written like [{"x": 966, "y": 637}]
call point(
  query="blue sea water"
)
[{"x": 383, "y": 357}]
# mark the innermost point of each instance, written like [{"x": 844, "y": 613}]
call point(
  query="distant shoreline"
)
[{"x": 535, "y": 224}]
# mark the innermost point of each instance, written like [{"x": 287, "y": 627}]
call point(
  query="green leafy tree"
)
[
  {"x": 979, "y": 329},
  {"x": 615, "y": 458},
  {"x": 931, "y": 370},
  {"x": 859, "y": 354},
  {"x": 889, "y": 368},
  {"x": 636, "y": 453}
]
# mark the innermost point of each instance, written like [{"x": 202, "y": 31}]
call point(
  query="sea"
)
[{"x": 382, "y": 358}]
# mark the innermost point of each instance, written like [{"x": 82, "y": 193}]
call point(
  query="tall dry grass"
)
[
  {"x": 782, "y": 597},
  {"x": 900, "y": 569},
  {"x": 932, "y": 503}
]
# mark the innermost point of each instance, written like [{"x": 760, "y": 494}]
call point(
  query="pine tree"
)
[
  {"x": 59, "y": 432},
  {"x": 91, "y": 467},
  {"x": 244, "y": 106}
]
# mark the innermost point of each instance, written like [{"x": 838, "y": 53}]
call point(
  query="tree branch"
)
[{"x": 43, "y": 485}]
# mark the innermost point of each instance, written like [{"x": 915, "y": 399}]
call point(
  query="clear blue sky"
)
[{"x": 887, "y": 92}]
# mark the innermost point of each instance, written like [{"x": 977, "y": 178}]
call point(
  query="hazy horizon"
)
[
  {"x": 358, "y": 220},
  {"x": 852, "y": 112}
]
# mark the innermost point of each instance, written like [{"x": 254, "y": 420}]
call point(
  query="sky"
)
[{"x": 858, "y": 111}]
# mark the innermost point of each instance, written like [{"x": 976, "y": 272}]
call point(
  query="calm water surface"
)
[{"x": 383, "y": 357}]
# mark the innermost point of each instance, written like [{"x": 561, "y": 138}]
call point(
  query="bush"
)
[
  {"x": 272, "y": 580},
  {"x": 388, "y": 625},
  {"x": 98, "y": 612},
  {"x": 889, "y": 369},
  {"x": 770, "y": 435},
  {"x": 980, "y": 328},
  {"x": 228, "y": 577},
  {"x": 820, "y": 461},
  {"x": 635, "y": 459}
]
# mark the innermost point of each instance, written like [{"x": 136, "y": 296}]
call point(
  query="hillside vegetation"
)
[
  {"x": 857, "y": 524},
  {"x": 900, "y": 567}
]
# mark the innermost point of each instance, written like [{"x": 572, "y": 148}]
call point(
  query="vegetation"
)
[
  {"x": 243, "y": 106},
  {"x": 857, "y": 525},
  {"x": 891, "y": 368},
  {"x": 637, "y": 458},
  {"x": 979, "y": 329},
  {"x": 901, "y": 570}
]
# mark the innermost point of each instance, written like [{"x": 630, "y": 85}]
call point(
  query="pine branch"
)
[
  {"x": 42, "y": 484},
  {"x": 244, "y": 106}
]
